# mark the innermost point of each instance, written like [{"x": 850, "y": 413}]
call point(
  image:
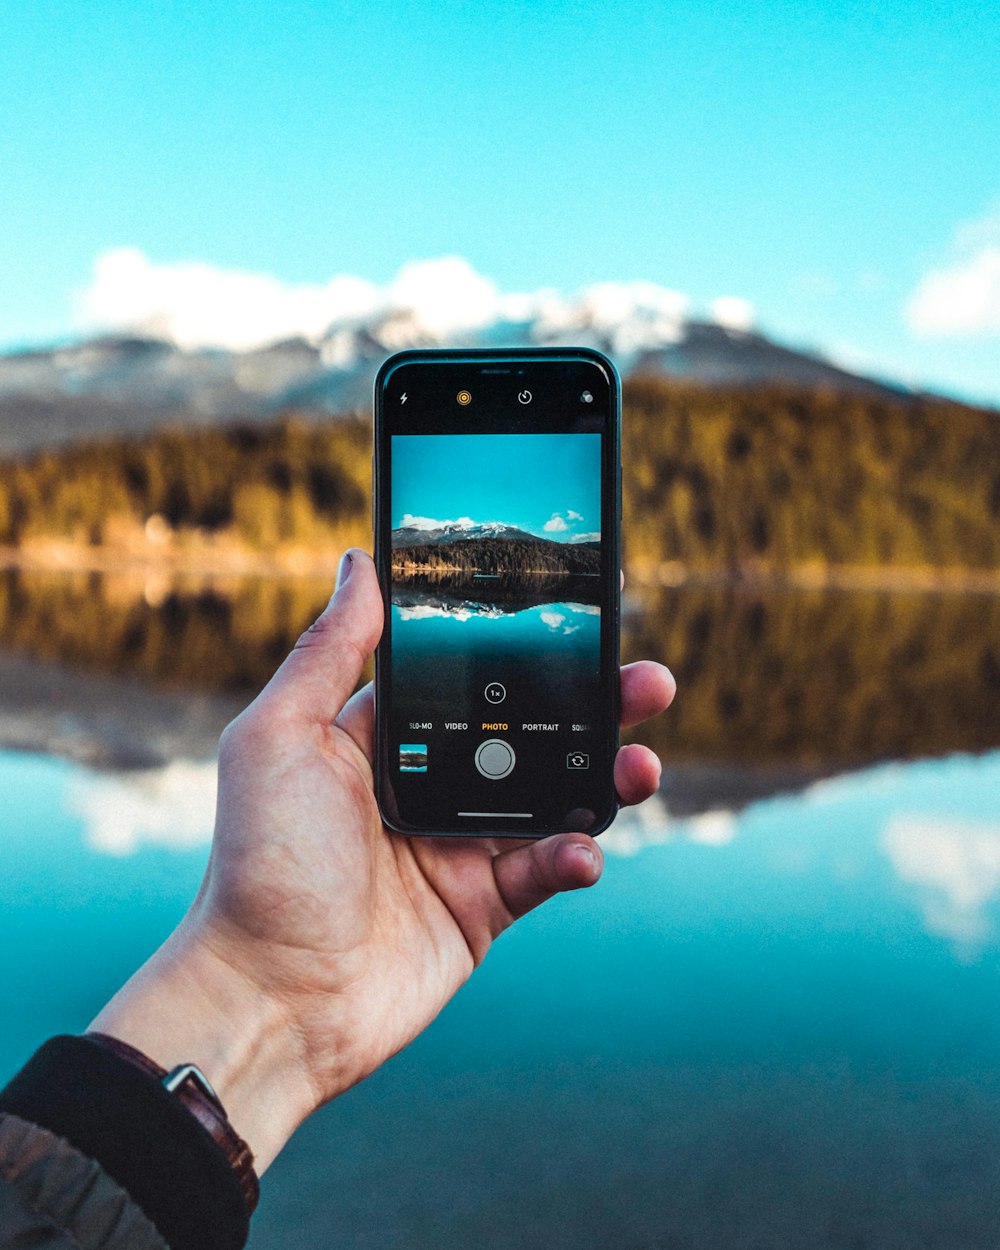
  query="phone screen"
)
[{"x": 497, "y": 543}]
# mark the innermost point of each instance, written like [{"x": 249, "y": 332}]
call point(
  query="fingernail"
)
[
  {"x": 344, "y": 570},
  {"x": 587, "y": 853}
]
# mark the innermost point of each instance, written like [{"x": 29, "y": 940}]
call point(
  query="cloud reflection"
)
[
  {"x": 172, "y": 807},
  {"x": 947, "y": 862},
  {"x": 955, "y": 865},
  {"x": 650, "y": 824}
]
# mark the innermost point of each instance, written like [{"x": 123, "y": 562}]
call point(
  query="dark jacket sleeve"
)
[
  {"x": 54, "y": 1198},
  {"x": 141, "y": 1137}
]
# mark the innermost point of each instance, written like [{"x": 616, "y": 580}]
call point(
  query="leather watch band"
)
[{"x": 190, "y": 1087}]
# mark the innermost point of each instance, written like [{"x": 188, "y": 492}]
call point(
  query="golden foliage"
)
[
  {"x": 766, "y": 478},
  {"x": 732, "y": 480}
]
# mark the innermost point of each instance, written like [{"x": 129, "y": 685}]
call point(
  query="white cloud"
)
[
  {"x": 410, "y": 521},
  {"x": 447, "y": 294},
  {"x": 200, "y": 305},
  {"x": 171, "y": 807},
  {"x": 555, "y": 524},
  {"x": 587, "y": 538},
  {"x": 553, "y": 619},
  {"x": 574, "y": 516},
  {"x": 733, "y": 312},
  {"x": 959, "y": 301},
  {"x": 961, "y": 298},
  {"x": 196, "y": 304}
]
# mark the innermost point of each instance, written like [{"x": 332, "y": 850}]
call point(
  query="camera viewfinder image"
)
[{"x": 413, "y": 757}]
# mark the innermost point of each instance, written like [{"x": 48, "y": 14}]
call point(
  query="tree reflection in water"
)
[{"x": 812, "y": 680}]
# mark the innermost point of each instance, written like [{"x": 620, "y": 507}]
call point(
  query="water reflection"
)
[
  {"x": 493, "y": 595},
  {"x": 932, "y": 823},
  {"x": 787, "y": 1012},
  {"x": 822, "y": 679},
  {"x": 954, "y": 865},
  {"x": 171, "y": 807},
  {"x": 777, "y": 687}
]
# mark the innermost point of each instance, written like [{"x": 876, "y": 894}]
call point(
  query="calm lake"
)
[{"x": 775, "y": 1023}]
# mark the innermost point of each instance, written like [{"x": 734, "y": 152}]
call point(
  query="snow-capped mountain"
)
[
  {"x": 455, "y": 531},
  {"x": 132, "y": 382}
]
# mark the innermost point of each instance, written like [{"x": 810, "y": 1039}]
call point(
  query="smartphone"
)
[{"x": 497, "y": 517}]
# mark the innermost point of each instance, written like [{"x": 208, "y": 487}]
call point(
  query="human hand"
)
[{"x": 321, "y": 943}]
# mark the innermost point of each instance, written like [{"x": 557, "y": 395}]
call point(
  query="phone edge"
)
[{"x": 388, "y": 366}]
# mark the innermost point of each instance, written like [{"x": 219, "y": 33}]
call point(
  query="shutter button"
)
[{"x": 495, "y": 758}]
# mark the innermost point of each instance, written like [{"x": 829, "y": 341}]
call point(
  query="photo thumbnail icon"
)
[{"x": 413, "y": 757}]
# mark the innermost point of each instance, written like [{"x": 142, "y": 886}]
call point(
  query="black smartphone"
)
[{"x": 497, "y": 523}]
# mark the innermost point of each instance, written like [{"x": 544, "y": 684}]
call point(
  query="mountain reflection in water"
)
[
  {"x": 495, "y": 594},
  {"x": 488, "y": 598},
  {"x": 777, "y": 687},
  {"x": 788, "y": 1008}
]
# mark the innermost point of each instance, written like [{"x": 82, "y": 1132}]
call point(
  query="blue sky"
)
[
  {"x": 547, "y": 484},
  {"x": 834, "y": 165}
]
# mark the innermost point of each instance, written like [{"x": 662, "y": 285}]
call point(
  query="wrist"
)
[{"x": 188, "y": 1005}]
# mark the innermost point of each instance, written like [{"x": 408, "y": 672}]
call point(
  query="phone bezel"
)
[{"x": 611, "y": 483}]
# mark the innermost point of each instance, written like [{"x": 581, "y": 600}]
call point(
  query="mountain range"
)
[
  {"x": 457, "y": 531},
  {"x": 118, "y": 385}
]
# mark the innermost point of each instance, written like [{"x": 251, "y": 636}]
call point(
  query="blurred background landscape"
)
[{"x": 776, "y": 1022}]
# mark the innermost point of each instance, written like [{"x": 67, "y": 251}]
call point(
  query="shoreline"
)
[
  {"x": 209, "y": 560},
  {"x": 885, "y": 577}
]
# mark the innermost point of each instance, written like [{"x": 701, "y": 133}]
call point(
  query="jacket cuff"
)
[
  {"x": 142, "y": 1137},
  {"x": 52, "y": 1195}
]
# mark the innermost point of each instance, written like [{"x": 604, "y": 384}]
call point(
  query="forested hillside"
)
[
  {"x": 775, "y": 478},
  {"x": 497, "y": 557},
  {"x": 733, "y": 481},
  {"x": 267, "y": 486}
]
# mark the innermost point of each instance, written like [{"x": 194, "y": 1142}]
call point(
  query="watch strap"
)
[{"x": 191, "y": 1088}]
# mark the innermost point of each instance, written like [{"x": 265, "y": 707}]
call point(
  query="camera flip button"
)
[{"x": 495, "y": 758}]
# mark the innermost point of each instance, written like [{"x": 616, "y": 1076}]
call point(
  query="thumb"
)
[
  {"x": 320, "y": 673},
  {"x": 530, "y": 874}
]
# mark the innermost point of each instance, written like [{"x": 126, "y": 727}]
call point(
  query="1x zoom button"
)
[{"x": 495, "y": 758}]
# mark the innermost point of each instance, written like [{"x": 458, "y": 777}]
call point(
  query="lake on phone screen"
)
[
  {"x": 774, "y": 1023},
  {"x": 549, "y": 651}
]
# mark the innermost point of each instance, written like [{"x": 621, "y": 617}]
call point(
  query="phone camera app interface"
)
[{"x": 496, "y": 591}]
